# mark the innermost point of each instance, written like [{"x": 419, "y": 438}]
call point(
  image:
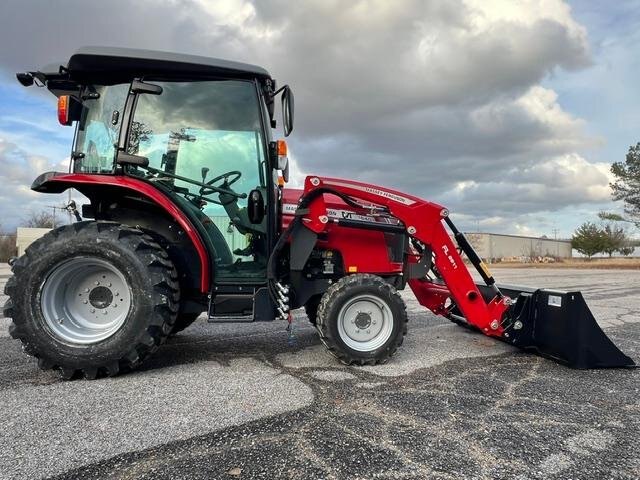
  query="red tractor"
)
[{"x": 187, "y": 214}]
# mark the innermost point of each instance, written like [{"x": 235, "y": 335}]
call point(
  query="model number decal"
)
[
  {"x": 452, "y": 260},
  {"x": 290, "y": 208},
  {"x": 375, "y": 191}
]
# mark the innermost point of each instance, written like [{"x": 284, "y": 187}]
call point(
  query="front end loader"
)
[
  {"x": 554, "y": 324},
  {"x": 188, "y": 213}
]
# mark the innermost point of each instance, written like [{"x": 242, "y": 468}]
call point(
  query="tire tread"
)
[{"x": 165, "y": 295}]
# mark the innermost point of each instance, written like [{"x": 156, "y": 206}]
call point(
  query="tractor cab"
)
[
  {"x": 204, "y": 141},
  {"x": 198, "y": 129}
]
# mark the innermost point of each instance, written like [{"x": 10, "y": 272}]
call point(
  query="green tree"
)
[
  {"x": 626, "y": 250},
  {"x": 588, "y": 239},
  {"x": 615, "y": 238},
  {"x": 627, "y": 183}
]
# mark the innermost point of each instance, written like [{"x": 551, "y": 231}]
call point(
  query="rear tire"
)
[
  {"x": 362, "y": 320},
  {"x": 62, "y": 309}
]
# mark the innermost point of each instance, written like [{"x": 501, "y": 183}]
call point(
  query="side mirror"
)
[
  {"x": 287, "y": 110},
  {"x": 255, "y": 207}
]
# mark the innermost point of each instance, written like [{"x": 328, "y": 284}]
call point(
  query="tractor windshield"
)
[{"x": 193, "y": 126}]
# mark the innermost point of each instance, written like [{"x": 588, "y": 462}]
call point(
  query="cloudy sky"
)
[{"x": 507, "y": 112}]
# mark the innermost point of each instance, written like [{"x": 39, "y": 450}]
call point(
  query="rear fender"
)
[{"x": 91, "y": 185}]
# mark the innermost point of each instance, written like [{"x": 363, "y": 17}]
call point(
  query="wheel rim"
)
[
  {"x": 85, "y": 300},
  {"x": 365, "y": 323}
]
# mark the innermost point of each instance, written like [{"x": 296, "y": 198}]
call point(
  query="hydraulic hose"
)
[{"x": 474, "y": 258}]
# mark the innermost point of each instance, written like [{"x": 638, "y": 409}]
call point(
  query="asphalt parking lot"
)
[{"x": 237, "y": 401}]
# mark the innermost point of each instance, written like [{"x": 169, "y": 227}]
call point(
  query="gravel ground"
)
[{"x": 237, "y": 401}]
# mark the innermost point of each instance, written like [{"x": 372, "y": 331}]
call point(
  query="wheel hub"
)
[
  {"x": 85, "y": 300},
  {"x": 363, "y": 320},
  {"x": 365, "y": 323},
  {"x": 100, "y": 297}
]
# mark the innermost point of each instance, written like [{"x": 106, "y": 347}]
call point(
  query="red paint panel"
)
[
  {"x": 366, "y": 250},
  {"x": 157, "y": 197}
]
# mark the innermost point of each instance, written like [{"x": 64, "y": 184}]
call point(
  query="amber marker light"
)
[
  {"x": 282, "y": 148},
  {"x": 63, "y": 110}
]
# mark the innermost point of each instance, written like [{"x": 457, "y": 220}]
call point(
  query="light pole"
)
[{"x": 555, "y": 238}]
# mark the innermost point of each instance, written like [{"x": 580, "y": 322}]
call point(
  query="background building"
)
[
  {"x": 496, "y": 247},
  {"x": 25, "y": 236}
]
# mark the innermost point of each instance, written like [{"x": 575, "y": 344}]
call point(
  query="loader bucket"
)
[{"x": 558, "y": 325}]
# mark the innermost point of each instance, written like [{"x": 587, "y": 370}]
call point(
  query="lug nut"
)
[
  {"x": 97, "y": 282},
  {"x": 86, "y": 290},
  {"x": 93, "y": 310},
  {"x": 494, "y": 325},
  {"x": 517, "y": 325},
  {"x": 85, "y": 302}
]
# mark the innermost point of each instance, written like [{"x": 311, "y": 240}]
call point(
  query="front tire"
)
[
  {"x": 362, "y": 320},
  {"x": 311, "y": 309},
  {"x": 92, "y": 299}
]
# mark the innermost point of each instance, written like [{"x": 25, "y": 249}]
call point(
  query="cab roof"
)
[{"x": 110, "y": 65}]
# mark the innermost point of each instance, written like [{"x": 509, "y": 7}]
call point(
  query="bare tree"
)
[
  {"x": 7, "y": 246},
  {"x": 41, "y": 219}
]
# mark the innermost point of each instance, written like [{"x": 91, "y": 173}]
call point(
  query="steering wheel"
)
[
  {"x": 229, "y": 179},
  {"x": 233, "y": 174}
]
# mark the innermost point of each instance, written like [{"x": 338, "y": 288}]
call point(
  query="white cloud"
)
[
  {"x": 18, "y": 169},
  {"x": 549, "y": 185},
  {"x": 441, "y": 98}
]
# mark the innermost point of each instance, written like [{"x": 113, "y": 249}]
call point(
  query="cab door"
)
[{"x": 211, "y": 132}]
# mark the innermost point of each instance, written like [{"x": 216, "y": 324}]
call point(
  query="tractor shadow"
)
[{"x": 224, "y": 342}]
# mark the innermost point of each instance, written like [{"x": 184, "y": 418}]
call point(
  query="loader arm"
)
[
  {"x": 424, "y": 222},
  {"x": 555, "y": 324}
]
